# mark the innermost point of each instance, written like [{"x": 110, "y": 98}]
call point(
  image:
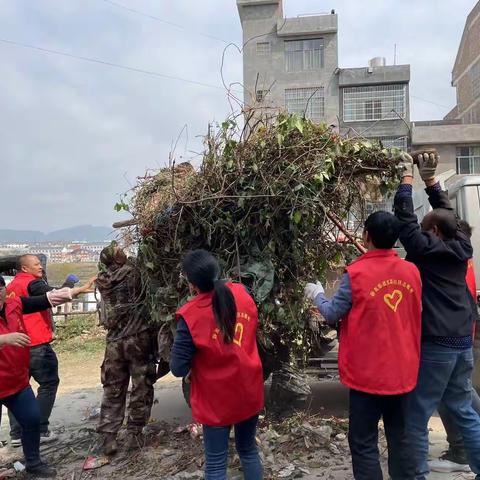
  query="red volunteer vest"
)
[
  {"x": 14, "y": 361},
  {"x": 38, "y": 326},
  {"x": 380, "y": 337},
  {"x": 226, "y": 379},
  {"x": 470, "y": 278}
]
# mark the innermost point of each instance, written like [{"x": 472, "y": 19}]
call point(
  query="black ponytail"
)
[
  {"x": 202, "y": 270},
  {"x": 225, "y": 310}
]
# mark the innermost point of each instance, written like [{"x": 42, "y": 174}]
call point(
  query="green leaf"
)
[
  {"x": 297, "y": 217},
  {"x": 298, "y": 123},
  {"x": 318, "y": 178}
]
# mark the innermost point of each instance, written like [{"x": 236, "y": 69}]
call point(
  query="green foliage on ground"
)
[
  {"x": 58, "y": 272},
  {"x": 79, "y": 333}
]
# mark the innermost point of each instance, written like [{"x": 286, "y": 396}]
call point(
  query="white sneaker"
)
[
  {"x": 16, "y": 442},
  {"x": 446, "y": 466},
  {"x": 48, "y": 437}
]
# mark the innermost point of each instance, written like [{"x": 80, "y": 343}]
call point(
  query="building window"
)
[
  {"x": 472, "y": 116},
  {"x": 393, "y": 142},
  {"x": 468, "y": 160},
  {"x": 263, "y": 49},
  {"x": 304, "y": 55},
  {"x": 306, "y": 101},
  {"x": 356, "y": 218},
  {"x": 260, "y": 95},
  {"x": 379, "y": 102},
  {"x": 475, "y": 79}
]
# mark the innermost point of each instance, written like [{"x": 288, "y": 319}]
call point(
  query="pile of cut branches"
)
[{"x": 263, "y": 202}]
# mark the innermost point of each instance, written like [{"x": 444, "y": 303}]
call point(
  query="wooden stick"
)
[
  {"x": 336, "y": 221},
  {"x": 415, "y": 153},
  {"x": 125, "y": 223}
]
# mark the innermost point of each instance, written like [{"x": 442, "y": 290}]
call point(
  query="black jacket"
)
[
  {"x": 41, "y": 287},
  {"x": 447, "y": 310}
]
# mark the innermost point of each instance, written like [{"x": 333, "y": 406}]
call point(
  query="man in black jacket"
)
[{"x": 440, "y": 250}]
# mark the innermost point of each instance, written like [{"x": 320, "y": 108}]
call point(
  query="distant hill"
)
[{"x": 81, "y": 233}]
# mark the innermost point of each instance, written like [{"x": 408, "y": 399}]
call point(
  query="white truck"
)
[{"x": 464, "y": 193}]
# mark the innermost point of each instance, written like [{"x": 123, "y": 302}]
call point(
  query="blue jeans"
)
[
  {"x": 215, "y": 440},
  {"x": 44, "y": 369},
  {"x": 454, "y": 436},
  {"x": 366, "y": 410},
  {"x": 445, "y": 376},
  {"x": 25, "y": 408}
]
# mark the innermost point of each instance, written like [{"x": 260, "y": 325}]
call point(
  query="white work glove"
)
[
  {"x": 312, "y": 290},
  {"x": 406, "y": 164},
  {"x": 427, "y": 165}
]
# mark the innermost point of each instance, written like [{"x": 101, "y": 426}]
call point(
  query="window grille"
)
[
  {"x": 263, "y": 49},
  {"x": 393, "y": 142},
  {"x": 306, "y": 101},
  {"x": 475, "y": 79},
  {"x": 468, "y": 160},
  {"x": 260, "y": 95},
  {"x": 378, "y": 102}
]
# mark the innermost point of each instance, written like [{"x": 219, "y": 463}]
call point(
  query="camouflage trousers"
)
[{"x": 131, "y": 358}]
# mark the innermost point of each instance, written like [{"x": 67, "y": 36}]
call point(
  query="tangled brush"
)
[{"x": 264, "y": 205}]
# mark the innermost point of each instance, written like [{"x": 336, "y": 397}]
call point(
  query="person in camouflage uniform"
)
[{"x": 129, "y": 353}]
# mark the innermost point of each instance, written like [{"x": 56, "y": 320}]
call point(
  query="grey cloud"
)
[{"x": 71, "y": 131}]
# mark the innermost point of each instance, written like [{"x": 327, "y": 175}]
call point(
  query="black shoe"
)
[
  {"x": 41, "y": 471},
  {"x": 455, "y": 455}
]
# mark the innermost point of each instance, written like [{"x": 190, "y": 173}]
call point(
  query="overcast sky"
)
[{"x": 74, "y": 134}]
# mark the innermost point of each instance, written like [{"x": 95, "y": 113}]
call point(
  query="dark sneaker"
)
[
  {"x": 110, "y": 445},
  {"x": 451, "y": 461},
  {"x": 456, "y": 455},
  {"x": 41, "y": 471}
]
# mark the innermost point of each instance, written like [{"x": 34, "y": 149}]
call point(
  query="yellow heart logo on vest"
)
[{"x": 394, "y": 299}]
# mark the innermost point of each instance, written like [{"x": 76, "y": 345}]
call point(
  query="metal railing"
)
[{"x": 59, "y": 312}]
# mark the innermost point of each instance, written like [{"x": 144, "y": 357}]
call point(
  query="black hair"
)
[
  {"x": 21, "y": 261},
  {"x": 2, "y": 282},
  {"x": 445, "y": 220},
  {"x": 202, "y": 270},
  {"x": 465, "y": 227},
  {"x": 383, "y": 229}
]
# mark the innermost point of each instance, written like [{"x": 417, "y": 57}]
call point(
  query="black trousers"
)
[
  {"x": 44, "y": 369},
  {"x": 366, "y": 410}
]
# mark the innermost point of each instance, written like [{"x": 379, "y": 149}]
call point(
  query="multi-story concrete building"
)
[
  {"x": 457, "y": 137},
  {"x": 374, "y": 102},
  {"x": 292, "y": 64},
  {"x": 466, "y": 72}
]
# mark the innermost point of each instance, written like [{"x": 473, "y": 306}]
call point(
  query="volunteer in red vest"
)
[
  {"x": 38, "y": 326},
  {"x": 216, "y": 343},
  {"x": 379, "y": 306},
  {"x": 15, "y": 391}
]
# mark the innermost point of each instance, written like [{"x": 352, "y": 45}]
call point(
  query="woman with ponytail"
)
[{"x": 216, "y": 345}]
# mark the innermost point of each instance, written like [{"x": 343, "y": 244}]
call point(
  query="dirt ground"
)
[{"x": 76, "y": 410}]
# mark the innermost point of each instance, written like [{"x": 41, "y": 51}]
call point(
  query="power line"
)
[
  {"x": 429, "y": 101},
  {"x": 109, "y": 64},
  {"x": 161, "y": 20}
]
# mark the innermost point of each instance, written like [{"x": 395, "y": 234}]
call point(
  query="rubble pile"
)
[{"x": 293, "y": 448}]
